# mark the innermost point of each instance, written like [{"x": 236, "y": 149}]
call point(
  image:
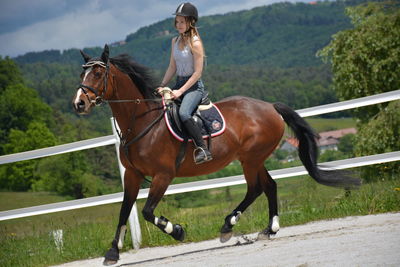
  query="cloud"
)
[
  {"x": 70, "y": 30},
  {"x": 92, "y": 24},
  {"x": 47, "y": 24},
  {"x": 16, "y": 14},
  {"x": 222, "y": 7}
]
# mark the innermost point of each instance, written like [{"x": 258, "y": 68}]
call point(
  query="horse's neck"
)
[{"x": 127, "y": 114}]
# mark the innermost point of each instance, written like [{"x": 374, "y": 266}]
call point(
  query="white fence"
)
[{"x": 192, "y": 186}]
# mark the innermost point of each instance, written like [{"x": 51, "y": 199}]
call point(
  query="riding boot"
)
[{"x": 201, "y": 153}]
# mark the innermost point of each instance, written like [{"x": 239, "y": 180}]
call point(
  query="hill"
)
[{"x": 279, "y": 35}]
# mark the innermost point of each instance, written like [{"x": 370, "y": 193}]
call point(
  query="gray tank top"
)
[{"x": 184, "y": 59}]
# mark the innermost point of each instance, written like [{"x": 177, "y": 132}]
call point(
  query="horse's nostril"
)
[{"x": 80, "y": 106}]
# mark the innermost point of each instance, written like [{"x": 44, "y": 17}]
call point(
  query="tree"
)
[
  {"x": 20, "y": 176},
  {"x": 346, "y": 144},
  {"x": 68, "y": 174},
  {"x": 381, "y": 135},
  {"x": 19, "y": 106},
  {"x": 9, "y": 73},
  {"x": 365, "y": 61}
]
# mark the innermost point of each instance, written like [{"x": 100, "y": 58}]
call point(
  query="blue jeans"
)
[{"x": 190, "y": 99}]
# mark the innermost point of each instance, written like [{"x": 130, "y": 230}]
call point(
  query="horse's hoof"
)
[
  {"x": 265, "y": 235},
  {"x": 112, "y": 257},
  {"x": 109, "y": 262},
  {"x": 178, "y": 233},
  {"x": 225, "y": 236}
]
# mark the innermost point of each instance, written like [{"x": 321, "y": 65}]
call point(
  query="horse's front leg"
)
[
  {"x": 132, "y": 181},
  {"x": 158, "y": 187}
]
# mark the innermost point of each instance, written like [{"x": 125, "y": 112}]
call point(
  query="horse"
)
[{"x": 254, "y": 130}]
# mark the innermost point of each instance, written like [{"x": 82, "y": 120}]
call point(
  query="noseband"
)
[{"x": 99, "y": 98}]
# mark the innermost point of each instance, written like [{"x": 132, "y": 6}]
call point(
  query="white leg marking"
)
[
  {"x": 169, "y": 228},
  {"x": 275, "y": 224},
  {"x": 235, "y": 219},
  {"x": 121, "y": 236}
]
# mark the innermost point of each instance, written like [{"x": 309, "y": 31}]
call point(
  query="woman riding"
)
[{"x": 187, "y": 57}]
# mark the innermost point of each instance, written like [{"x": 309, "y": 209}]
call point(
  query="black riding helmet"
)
[{"x": 187, "y": 10}]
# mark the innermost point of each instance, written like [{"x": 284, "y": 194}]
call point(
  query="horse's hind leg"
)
[
  {"x": 158, "y": 187},
  {"x": 253, "y": 191},
  {"x": 269, "y": 187},
  {"x": 132, "y": 181}
]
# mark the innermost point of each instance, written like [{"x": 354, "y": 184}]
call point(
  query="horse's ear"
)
[
  {"x": 85, "y": 56},
  {"x": 106, "y": 53}
]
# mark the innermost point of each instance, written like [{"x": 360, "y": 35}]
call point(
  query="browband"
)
[{"x": 92, "y": 63}]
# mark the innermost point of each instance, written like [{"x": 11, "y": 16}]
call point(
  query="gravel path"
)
[{"x": 372, "y": 240}]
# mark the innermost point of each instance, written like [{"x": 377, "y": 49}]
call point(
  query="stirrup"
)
[{"x": 204, "y": 159}]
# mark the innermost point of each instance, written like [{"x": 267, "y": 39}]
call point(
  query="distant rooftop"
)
[{"x": 326, "y": 138}]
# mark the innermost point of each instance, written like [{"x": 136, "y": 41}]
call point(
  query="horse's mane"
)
[{"x": 140, "y": 75}]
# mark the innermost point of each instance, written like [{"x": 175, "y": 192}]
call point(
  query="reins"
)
[
  {"x": 136, "y": 101},
  {"x": 123, "y": 139}
]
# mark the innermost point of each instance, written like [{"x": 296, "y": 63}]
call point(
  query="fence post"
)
[{"x": 133, "y": 217}]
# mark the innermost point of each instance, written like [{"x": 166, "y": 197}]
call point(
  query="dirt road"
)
[{"x": 372, "y": 240}]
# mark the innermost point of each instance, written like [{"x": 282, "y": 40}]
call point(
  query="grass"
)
[
  {"x": 88, "y": 232},
  {"x": 15, "y": 200}
]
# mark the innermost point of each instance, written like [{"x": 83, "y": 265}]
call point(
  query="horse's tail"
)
[{"x": 308, "y": 151}]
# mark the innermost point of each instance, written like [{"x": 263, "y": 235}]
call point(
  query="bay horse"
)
[{"x": 254, "y": 130}]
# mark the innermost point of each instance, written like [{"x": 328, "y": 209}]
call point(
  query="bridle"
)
[{"x": 99, "y": 98}]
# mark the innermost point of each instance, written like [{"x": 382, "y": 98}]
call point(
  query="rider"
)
[{"x": 186, "y": 60}]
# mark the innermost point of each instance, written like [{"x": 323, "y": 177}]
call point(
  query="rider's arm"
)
[{"x": 171, "y": 68}]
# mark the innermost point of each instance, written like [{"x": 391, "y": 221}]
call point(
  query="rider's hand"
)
[
  {"x": 176, "y": 94},
  {"x": 159, "y": 89}
]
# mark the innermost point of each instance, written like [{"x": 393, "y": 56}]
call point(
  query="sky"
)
[{"x": 37, "y": 25}]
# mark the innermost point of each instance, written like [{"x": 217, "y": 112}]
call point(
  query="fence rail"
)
[
  {"x": 350, "y": 104},
  {"x": 60, "y": 149}
]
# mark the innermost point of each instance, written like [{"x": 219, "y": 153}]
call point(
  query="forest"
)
[{"x": 282, "y": 52}]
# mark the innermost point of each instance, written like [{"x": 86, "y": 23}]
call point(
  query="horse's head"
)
[{"x": 95, "y": 84}]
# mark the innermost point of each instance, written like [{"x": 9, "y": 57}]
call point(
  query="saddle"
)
[{"x": 207, "y": 116}]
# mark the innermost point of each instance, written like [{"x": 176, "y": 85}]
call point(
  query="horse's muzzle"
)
[
  {"x": 81, "y": 102},
  {"x": 80, "y": 106}
]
